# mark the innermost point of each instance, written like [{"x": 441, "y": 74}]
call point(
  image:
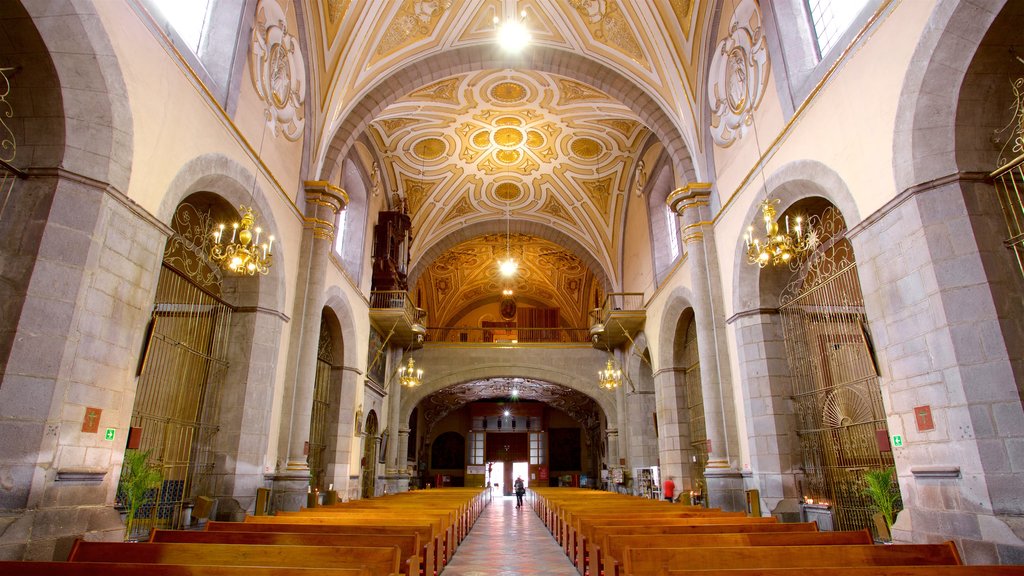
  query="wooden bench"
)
[
  {"x": 862, "y": 571},
  {"x": 599, "y": 533},
  {"x": 654, "y": 561},
  {"x": 408, "y": 543},
  {"x": 426, "y": 533},
  {"x": 379, "y": 560},
  {"x": 17, "y": 568},
  {"x": 576, "y": 523},
  {"x": 614, "y": 545},
  {"x": 579, "y": 552}
]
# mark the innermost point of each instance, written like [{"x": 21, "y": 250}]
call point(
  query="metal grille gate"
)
[
  {"x": 838, "y": 401},
  {"x": 695, "y": 403},
  {"x": 182, "y": 367},
  {"x": 319, "y": 417}
]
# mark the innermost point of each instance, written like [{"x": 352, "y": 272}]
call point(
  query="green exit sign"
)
[
  {"x": 897, "y": 440},
  {"x": 110, "y": 434}
]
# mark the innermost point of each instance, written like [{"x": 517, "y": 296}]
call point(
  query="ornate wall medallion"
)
[
  {"x": 278, "y": 71},
  {"x": 738, "y": 75}
]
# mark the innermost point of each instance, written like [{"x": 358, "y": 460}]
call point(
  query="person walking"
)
[
  {"x": 520, "y": 490},
  {"x": 669, "y": 489}
]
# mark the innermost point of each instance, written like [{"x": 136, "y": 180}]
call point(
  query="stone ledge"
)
[
  {"x": 939, "y": 472},
  {"x": 81, "y": 475}
]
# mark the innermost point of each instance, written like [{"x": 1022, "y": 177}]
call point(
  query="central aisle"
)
[{"x": 509, "y": 542}]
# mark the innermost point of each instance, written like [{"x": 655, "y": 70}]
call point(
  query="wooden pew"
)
[
  {"x": 600, "y": 533},
  {"x": 587, "y": 523},
  {"x": 614, "y": 545},
  {"x": 408, "y": 543},
  {"x": 654, "y": 561},
  {"x": 18, "y": 568},
  {"x": 444, "y": 528},
  {"x": 379, "y": 560},
  {"x": 427, "y": 534},
  {"x": 862, "y": 571}
]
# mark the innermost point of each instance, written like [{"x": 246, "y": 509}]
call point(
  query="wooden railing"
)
[
  {"x": 1009, "y": 183},
  {"x": 394, "y": 300},
  {"x": 500, "y": 336},
  {"x": 616, "y": 302}
]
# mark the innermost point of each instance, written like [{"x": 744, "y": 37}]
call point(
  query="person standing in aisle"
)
[
  {"x": 520, "y": 490},
  {"x": 669, "y": 489}
]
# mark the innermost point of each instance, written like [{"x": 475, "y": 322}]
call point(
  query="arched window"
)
[{"x": 831, "y": 19}]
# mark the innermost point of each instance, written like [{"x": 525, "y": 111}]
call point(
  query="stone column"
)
[
  {"x": 403, "y": 449},
  {"x": 323, "y": 203},
  {"x": 394, "y": 414},
  {"x": 612, "y": 435},
  {"x": 725, "y": 484}
]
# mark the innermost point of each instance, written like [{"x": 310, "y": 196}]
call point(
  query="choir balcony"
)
[
  {"x": 618, "y": 320},
  {"x": 392, "y": 312}
]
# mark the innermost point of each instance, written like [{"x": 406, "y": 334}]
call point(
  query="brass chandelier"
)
[
  {"x": 242, "y": 253},
  {"x": 410, "y": 376},
  {"x": 610, "y": 377},
  {"x": 777, "y": 247}
]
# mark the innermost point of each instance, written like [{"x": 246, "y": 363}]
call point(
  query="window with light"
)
[
  {"x": 476, "y": 448},
  {"x": 536, "y": 448},
  {"x": 831, "y": 18}
]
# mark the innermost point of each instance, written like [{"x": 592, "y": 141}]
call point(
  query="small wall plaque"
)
[
  {"x": 91, "y": 422},
  {"x": 923, "y": 415}
]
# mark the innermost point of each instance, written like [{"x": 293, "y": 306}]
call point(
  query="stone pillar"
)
[
  {"x": 323, "y": 203},
  {"x": 394, "y": 422},
  {"x": 725, "y": 486},
  {"x": 673, "y": 425},
  {"x": 612, "y": 435},
  {"x": 403, "y": 449}
]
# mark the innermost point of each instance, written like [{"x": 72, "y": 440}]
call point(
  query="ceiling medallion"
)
[
  {"x": 586, "y": 148},
  {"x": 429, "y": 148},
  {"x": 508, "y": 192},
  {"x": 508, "y": 92}
]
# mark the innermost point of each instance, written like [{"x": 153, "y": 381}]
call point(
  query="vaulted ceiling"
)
[{"x": 482, "y": 147}]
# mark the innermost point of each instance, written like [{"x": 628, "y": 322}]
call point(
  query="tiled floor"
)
[{"x": 505, "y": 541}]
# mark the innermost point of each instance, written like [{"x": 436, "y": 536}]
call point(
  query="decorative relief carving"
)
[
  {"x": 416, "y": 19},
  {"x": 572, "y": 92},
  {"x": 443, "y": 91},
  {"x": 738, "y": 75},
  {"x": 336, "y": 9},
  {"x": 8, "y": 146},
  {"x": 608, "y": 24},
  {"x": 600, "y": 192},
  {"x": 278, "y": 71}
]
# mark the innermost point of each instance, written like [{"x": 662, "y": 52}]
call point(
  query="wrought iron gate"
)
[
  {"x": 319, "y": 416},
  {"x": 838, "y": 402},
  {"x": 695, "y": 403},
  {"x": 369, "y": 480},
  {"x": 182, "y": 367}
]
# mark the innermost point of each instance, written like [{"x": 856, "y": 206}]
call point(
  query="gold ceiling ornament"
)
[
  {"x": 778, "y": 247},
  {"x": 243, "y": 253},
  {"x": 611, "y": 376},
  {"x": 409, "y": 375}
]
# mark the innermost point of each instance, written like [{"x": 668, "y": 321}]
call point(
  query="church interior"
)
[{"x": 290, "y": 252}]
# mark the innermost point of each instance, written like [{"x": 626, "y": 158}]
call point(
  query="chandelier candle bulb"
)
[{"x": 234, "y": 230}]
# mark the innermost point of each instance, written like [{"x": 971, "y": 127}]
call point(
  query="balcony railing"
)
[
  {"x": 617, "y": 302},
  {"x": 394, "y": 300},
  {"x": 471, "y": 335},
  {"x": 1009, "y": 183}
]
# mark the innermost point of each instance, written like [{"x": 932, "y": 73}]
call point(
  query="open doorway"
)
[
  {"x": 496, "y": 476},
  {"x": 521, "y": 470}
]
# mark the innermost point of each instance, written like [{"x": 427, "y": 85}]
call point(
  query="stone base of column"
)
[
  {"x": 725, "y": 489},
  {"x": 396, "y": 482},
  {"x": 290, "y": 490}
]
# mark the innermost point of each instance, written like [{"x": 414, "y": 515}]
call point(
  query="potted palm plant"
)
[
  {"x": 139, "y": 479},
  {"x": 881, "y": 488}
]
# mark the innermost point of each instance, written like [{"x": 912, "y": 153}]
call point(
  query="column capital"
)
[
  {"x": 692, "y": 195},
  {"x": 323, "y": 203}
]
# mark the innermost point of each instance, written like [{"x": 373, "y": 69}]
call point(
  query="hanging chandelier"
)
[
  {"x": 242, "y": 253},
  {"x": 610, "y": 377},
  {"x": 778, "y": 247},
  {"x": 410, "y": 376}
]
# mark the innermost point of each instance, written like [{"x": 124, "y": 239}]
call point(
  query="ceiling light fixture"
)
[
  {"x": 513, "y": 35},
  {"x": 610, "y": 377}
]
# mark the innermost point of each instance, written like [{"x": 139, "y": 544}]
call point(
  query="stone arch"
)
[
  {"x": 226, "y": 178},
  {"x": 98, "y": 128},
  {"x": 791, "y": 183},
  {"x": 925, "y": 138},
  {"x": 449, "y": 62},
  {"x": 338, "y": 302},
  {"x": 679, "y": 301},
  {"x": 430, "y": 253},
  {"x": 560, "y": 375}
]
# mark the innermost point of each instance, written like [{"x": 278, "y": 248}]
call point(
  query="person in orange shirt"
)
[{"x": 669, "y": 489}]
